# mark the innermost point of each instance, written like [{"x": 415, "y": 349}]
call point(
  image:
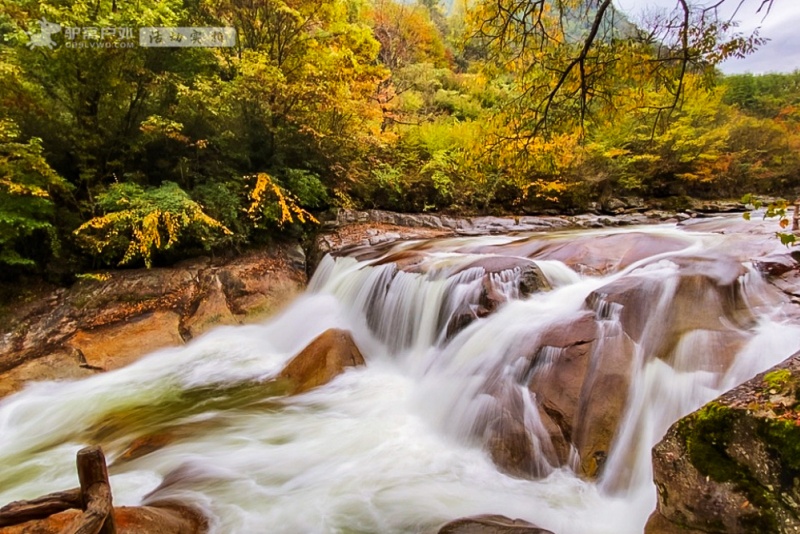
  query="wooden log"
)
[
  {"x": 20, "y": 511},
  {"x": 98, "y": 515}
]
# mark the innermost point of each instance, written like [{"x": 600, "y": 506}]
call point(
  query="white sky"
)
[{"x": 781, "y": 26}]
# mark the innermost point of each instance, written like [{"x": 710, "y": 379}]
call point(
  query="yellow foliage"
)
[
  {"x": 143, "y": 222},
  {"x": 265, "y": 188}
]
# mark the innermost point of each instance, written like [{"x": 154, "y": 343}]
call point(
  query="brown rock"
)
[
  {"x": 505, "y": 436},
  {"x": 168, "y": 518},
  {"x": 707, "y": 296},
  {"x": 114, "y": 346},
  {"x": 116, "y": 318},
  {"x": 212, "y": 309},
  {"x": 581, "y": 378},
  {"x": 491, "y": 524},
  {"x": 322, "y": 360},
  {"x": 62, "y": 365}
]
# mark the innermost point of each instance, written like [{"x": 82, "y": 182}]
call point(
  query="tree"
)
[
  {"x": 576, "y": 59},
  {"x": 27, "y": 210}
]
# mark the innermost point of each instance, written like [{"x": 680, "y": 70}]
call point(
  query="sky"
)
[{"x": 781, "y": 26}]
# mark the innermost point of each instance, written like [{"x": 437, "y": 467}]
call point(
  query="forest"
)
[{"x": 135, "y": 156}]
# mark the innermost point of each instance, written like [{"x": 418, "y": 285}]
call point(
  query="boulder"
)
[
  {"x": 590, "y": 254},
  {"x": 734, "y": 465},
  {"x": 582, "y": 389},
  {"x": 491, "y": 524},
  {"x": 326, "y": 357},
  {"x": 578, "y": 376},
  {"x": 506, "y": 437},
  {"x": 704, "y": 294}
]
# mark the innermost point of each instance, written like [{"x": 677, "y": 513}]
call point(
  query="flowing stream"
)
[{"x": 399, "y": 445}]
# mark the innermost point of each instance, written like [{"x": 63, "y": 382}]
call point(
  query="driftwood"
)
[
  {"x": 41, "y": 507},
  {"x": 93, "y": 497},
  {"x": 98, "y": 515}
]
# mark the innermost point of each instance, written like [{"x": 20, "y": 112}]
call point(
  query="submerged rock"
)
[
  {"x": 491, "y": 524},
  {"x": 734, "y": 465}
]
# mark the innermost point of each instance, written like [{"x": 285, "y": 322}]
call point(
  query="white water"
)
[{"x": 388, "y": 447}]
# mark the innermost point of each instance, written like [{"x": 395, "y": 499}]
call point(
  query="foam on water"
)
[{"x": 387, "y": 447}]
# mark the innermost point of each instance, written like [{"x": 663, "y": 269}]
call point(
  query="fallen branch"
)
[{"x": 41, "y": 507}]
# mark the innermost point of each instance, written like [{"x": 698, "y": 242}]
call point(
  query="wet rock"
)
[
  {"x": 507, "y": 439},
  {"x": 734, "y": 465},
  {"x": 116, "y": 318},
  {"x": 169, "y": 518},
  {"x": 527, "y": 278},
  {"x": 491, "y": 524},
  {"x": 596, "y": 255},
  {"x": 701, "y": 294},
  {"x": 118, "y": 344},
  {"x": 777, "y": 264},
  {"x": 321, "y": 361},
  {"x": 145, "y": 445},
  {"x": 62, "y": 365},
  {"x": 580, "y": 378}
]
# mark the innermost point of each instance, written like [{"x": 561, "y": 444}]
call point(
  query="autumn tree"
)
[{"x": 577, "y": 59}]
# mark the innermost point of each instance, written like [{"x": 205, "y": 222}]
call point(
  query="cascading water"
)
[{"x": 469, "y": 342}]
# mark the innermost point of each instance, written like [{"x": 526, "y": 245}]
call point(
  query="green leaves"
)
[
  {"x": 27, "y": 209},
  {"x": 776, "y": 208}
]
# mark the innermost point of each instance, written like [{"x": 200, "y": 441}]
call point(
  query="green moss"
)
[
  {"x": 783, "y": 438},
  {"x": 707, "y": 434},
  {"x": 777, "y": 379}
]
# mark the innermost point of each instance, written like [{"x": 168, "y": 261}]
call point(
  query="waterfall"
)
[{"x": 580, "y": 349}]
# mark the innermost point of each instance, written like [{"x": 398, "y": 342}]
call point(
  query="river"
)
[{"x": 400, "y": 445}]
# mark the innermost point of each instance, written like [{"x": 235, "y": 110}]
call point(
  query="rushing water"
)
[{"x": 389, "y": 447}]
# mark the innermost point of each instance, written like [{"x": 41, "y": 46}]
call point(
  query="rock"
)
[
  {"x": 734, "y": 465},
  {"x": 116, "y": 318},
  {"x": 321, "y": 361},
  {"x": 580, "y": 378},
  {"x": 118, "y": 344},
  {"x": 62, "y": 365},
  {"x": 529, "y": 279},
  {"x": 594, "y": 255},
  {"x": 166, "y": 518},
  {"x": 704, "y": 294},
  {"x": 212, "y": 308},
  {"x": 491, "y": 524},
  {"x": 614, "y": 205},
  {"x": 776, "y": 264}
]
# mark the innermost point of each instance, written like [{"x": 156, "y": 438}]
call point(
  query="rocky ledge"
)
[
  {"x": 109, "y": 320},
  {"x": 734, "y": 465}
]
